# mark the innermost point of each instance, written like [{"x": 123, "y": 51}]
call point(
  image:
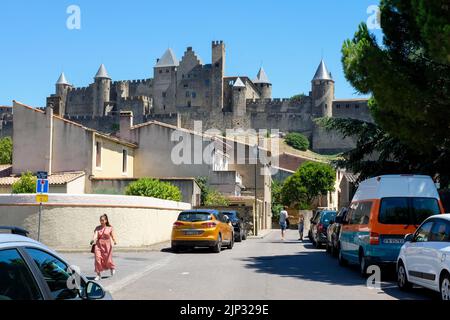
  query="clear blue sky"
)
[{"x": 287, "y": 37}]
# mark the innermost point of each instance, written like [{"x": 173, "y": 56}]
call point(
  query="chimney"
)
[{"x": 126, "y": 122}]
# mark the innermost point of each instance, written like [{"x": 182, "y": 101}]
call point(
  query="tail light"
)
[
  {"x": 320, "y": 227},
  {"x": 374, "y": 238},
  {"x": 209, "y": 225},
  {"x": 178, "y": 224}
]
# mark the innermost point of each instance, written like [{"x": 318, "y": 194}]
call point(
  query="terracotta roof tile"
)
[{"x": 54, "y": 179}]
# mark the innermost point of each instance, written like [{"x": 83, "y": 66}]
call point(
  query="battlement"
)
[
  {"x": 267, "y": 101},
  {"x": 79, "y": 89},
  {"x": 136, "y": 82},
  {"x": 217, "y": 43}
]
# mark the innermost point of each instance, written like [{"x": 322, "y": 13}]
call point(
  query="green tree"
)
[
  {"x": 297, "y": 141},
  {"x": 298, "y": 98},
  {"x": 311, "y": 180},
  {"x": 26, "y": 184},
  {"x": 147, "y": 187},
  {"x": 277, "y": 199},
  {"x": 209, "y": 196},
  {"x": 214, "y": 198},
  {"x": 6, "y": 150},
  {"x": 408, "y": 75}
]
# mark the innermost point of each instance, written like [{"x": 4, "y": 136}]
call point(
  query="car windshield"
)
[
  {"x": 328, "y": 216},
  {"x": 194, "y": 216},
  {"x": 407, "y": 211}
]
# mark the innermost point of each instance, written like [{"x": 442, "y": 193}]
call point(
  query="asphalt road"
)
[{"x": 262, "y": 269}]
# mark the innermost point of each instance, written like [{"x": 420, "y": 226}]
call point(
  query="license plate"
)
[
  {"x": 192, "y": 233},
  {"x": 394, "y": 241}
]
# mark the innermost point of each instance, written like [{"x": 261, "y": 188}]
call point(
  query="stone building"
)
[{"x": 187, "y": 90}]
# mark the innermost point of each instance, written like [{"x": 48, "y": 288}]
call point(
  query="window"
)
[
  {"x": 188, "y": 94},
  {"x": 124, "y": 161},
  {"x": 55, "y": 273},
  {"x": 440, "y": 232},
  {"x": 186, "y": 86},
  {"x": 423, "y": 233},
  {"x": 338, "y": 106},
  {"x": 164, "y": 94},
  {"x": 167, "y": 70},
  {"x": 194, "y": 216},
  {"x": 16, "y": 280},
  {"x": 194, "y": 95},
  {"x": 407, "y": 211},
  {"x": 98, "y": 154},
  {"x": 160, "y": 71},
  {"x": 361, "y": 214},
  {"x": 347, "y": 106},
  {"x": 424, "y": 208}
]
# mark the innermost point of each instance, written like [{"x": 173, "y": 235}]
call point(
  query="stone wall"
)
[{"x": 68, "y": 221}]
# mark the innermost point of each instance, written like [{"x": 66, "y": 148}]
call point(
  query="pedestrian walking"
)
[
  {"x": 283, "y": 221},
  {"x": 301, "y": 225},
  {"x": 102, "y": 247}
]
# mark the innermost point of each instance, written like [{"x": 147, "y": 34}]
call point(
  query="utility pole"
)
[{"x": 256, "y": 194}]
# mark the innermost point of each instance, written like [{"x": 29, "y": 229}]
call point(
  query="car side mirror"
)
[
  {"x": 409, "y": 237},
  {"x": 94, "y": 291}
]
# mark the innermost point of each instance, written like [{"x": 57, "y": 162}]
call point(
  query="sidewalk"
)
[{"x": 261, "y": 234}]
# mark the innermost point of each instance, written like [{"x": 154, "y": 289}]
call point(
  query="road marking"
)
[
  {"x": 185, "y": 273},
  {"x": 113, "y": 288}
]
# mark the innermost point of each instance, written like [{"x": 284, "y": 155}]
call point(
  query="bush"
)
[
  {"x": 215, "y": 199},
  {"x": 154, "y": 188},
  {"x": 297, "y": 141},
  {"x": 6, "y": 150},
  {"x": 26, "y": 184}
]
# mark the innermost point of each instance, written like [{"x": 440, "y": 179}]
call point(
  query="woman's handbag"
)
[{"x": 93, "y": 248}]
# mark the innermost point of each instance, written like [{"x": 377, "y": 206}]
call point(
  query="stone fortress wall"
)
[{"x": 185, "y": 91}]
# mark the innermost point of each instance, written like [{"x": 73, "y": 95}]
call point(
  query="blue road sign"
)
[
  {"x": 42, "y": 186},
  {"x": 42, "y": 175}
]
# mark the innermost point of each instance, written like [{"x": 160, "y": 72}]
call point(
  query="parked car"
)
[
  {"x": 319, "y": 226},
  {"x": 334, "y": 231},
  {"x": 240, "y": 233},
  {"x": 423, "y": 259},
  {"x": 385, "y": 209},
  {"x": 31, "y": 271},
  {"x": 202, "y": 228}
]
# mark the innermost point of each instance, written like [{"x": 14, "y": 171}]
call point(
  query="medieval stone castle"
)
[{"x": 188, "y": 90}]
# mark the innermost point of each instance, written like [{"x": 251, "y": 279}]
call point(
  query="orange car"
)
[{"x": 202, "y": 228}]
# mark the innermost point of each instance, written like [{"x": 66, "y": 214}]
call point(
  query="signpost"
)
[{"x": 42, "y": 190}]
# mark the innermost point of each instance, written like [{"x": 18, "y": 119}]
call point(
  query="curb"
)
[
  {"x": 154, "y": 247},
  {"x": 265, "y": 234}
]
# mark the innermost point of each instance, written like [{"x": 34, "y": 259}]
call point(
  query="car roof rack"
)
[{"x": 16, "y": 230}]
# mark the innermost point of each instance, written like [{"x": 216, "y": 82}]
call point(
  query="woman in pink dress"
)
[{"x": 103, "y": 239}]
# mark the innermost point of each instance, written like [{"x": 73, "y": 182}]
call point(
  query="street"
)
[{"x": 256, "y": 269}]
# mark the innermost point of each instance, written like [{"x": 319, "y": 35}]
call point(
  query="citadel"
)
[{"x": 187, "y": 90}]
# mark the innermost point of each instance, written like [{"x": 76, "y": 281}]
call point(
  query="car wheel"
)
[
  {"x": 240, "y": 237},
  {"x": 445, "y": 287},
  {"x": 218, "y": 247},
  {"x": 175, "y": 249},
  {"x": 363, "y": 265},
  {"x": 244, "y": 236},
  {"x": 402, "y": 278},
  {"x": 231, "y": 245},
  {"x": 341, "y": 259}
]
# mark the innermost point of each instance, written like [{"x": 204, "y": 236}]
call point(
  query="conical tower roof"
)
[
  {"x": 238, "y": 83},
  {"x": 262, "y": 77},
  {"x": 102, "y": 73},
  {"x": 322, "y": 72},
  {"x": 62, "y": 79},
  {"x": 168, "y": 60}
]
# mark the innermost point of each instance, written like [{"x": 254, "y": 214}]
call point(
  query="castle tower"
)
[
  {"x": 217, "y": 74},
  {"x": 62, "y": 89},
  {"x": 322, "y": 92},
  {"x": 165, "y": 82},
  {"x": 263, "y": 83},
  {"x": 102, "y": 91},
  {"x": 239, "y": 98}
]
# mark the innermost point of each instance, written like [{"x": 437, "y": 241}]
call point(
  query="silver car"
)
[{"x": 31, "y": 271}]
